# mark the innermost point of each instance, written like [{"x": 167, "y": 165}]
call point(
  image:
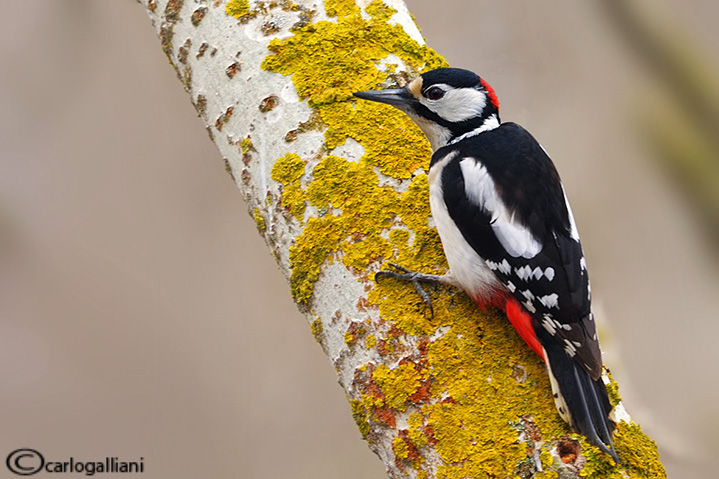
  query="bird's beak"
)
[{"x": 398, "y": 97}]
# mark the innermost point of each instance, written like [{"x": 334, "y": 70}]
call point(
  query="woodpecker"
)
[{"x": 509, "y": 236}]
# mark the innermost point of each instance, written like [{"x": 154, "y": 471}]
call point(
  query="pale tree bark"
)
[{"x": 336, "y": 189}]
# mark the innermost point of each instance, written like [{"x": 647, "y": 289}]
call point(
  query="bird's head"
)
[{"x": 446, "y": 104}]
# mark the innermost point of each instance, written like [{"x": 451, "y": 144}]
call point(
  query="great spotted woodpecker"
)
[{"x": 508, "y": 234}]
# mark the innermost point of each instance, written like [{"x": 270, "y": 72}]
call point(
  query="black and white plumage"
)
[{"x": 509, "y": 235}]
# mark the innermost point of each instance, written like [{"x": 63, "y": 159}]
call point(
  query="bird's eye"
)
[{"x": 434, "y": 93}]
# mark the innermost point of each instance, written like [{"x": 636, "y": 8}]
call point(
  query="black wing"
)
[{"x": 504, "y": 193}]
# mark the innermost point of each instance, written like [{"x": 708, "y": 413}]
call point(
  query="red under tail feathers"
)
[
  {"x": 522, "y": 322},
  {"x": 517, "y": 315}
]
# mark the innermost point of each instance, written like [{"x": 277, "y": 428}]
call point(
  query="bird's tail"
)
[{"x": 582, "y": 401}]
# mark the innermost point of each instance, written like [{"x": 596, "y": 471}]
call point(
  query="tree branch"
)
[{"x": 337, "y": 188}]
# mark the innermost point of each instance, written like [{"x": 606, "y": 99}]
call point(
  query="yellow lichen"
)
[
  {"x": 237, "y": 8},
  {"x": 400, "y": 448},
  {"x": 259, "y": 220},
  {"x": 467, "y": 409},
  {"x": 287, "y": 171},
  {"x": 246, "y": 145},
  {"x": 415, "y": 434},
  {"x": 473, "y": 364},
  {"x": 398, "y": 384},
  {"x": 340, "y": 7},
  {"x": 328, "y": 61},
  {"x": 317, "y": 329},
  {"x": 359, "y": 414},
  {"x": 637, "y": 452},
  {"x": 613, "y": 391}
]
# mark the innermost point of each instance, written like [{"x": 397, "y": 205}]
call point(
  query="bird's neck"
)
[{"x": 490, "y": 123}]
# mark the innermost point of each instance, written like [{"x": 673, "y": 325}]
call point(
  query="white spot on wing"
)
[
  {"x": 537, "y": 273},
  {"x": 548, "y": 323},
  {"x": 504, "y": 267},
  {"x": 569, "y": 348},
  {"x": 530, "y": 307},
  {"x": 550, "y": 300},
  {"x": 549, "y": 273},
  {"x": 524, "y": 273}
]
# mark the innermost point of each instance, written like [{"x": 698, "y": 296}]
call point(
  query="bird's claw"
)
[{"x": 404, "y": 274}]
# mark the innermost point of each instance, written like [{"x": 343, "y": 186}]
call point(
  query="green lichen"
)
[
  {"x": 461, "y": 392},
  {"x": 237, "y": 8}
]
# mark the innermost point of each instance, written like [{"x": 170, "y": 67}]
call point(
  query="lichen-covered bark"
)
[{"x": 337, "y": 188}]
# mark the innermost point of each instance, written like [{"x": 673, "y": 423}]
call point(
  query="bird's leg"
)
[{"x": 404, "y": 274}]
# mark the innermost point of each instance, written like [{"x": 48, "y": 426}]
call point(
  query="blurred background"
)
[{"x": 141, "y": 314}]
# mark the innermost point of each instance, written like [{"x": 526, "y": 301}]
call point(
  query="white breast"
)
[{"x": 466, "y": 268}]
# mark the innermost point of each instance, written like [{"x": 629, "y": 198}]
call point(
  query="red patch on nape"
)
[{"x": 490, "y": 93}]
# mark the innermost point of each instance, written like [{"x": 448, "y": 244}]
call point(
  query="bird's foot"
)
[{"x": 404, "y": 274}]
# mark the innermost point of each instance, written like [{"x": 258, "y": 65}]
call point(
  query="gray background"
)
[{"x": 142, "y": 316}]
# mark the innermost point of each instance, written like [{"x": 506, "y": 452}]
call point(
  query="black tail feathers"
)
[{"x": 585, "y": 399}]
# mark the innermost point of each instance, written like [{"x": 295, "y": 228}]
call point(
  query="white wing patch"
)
[
  {"x": 467, "y": 268},
  {"x": 479, "y": 187}
]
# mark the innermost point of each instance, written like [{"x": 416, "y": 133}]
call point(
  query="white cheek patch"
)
[
  {"x": 516, "y": 238},
  {"x": 457, "y": 104}
]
